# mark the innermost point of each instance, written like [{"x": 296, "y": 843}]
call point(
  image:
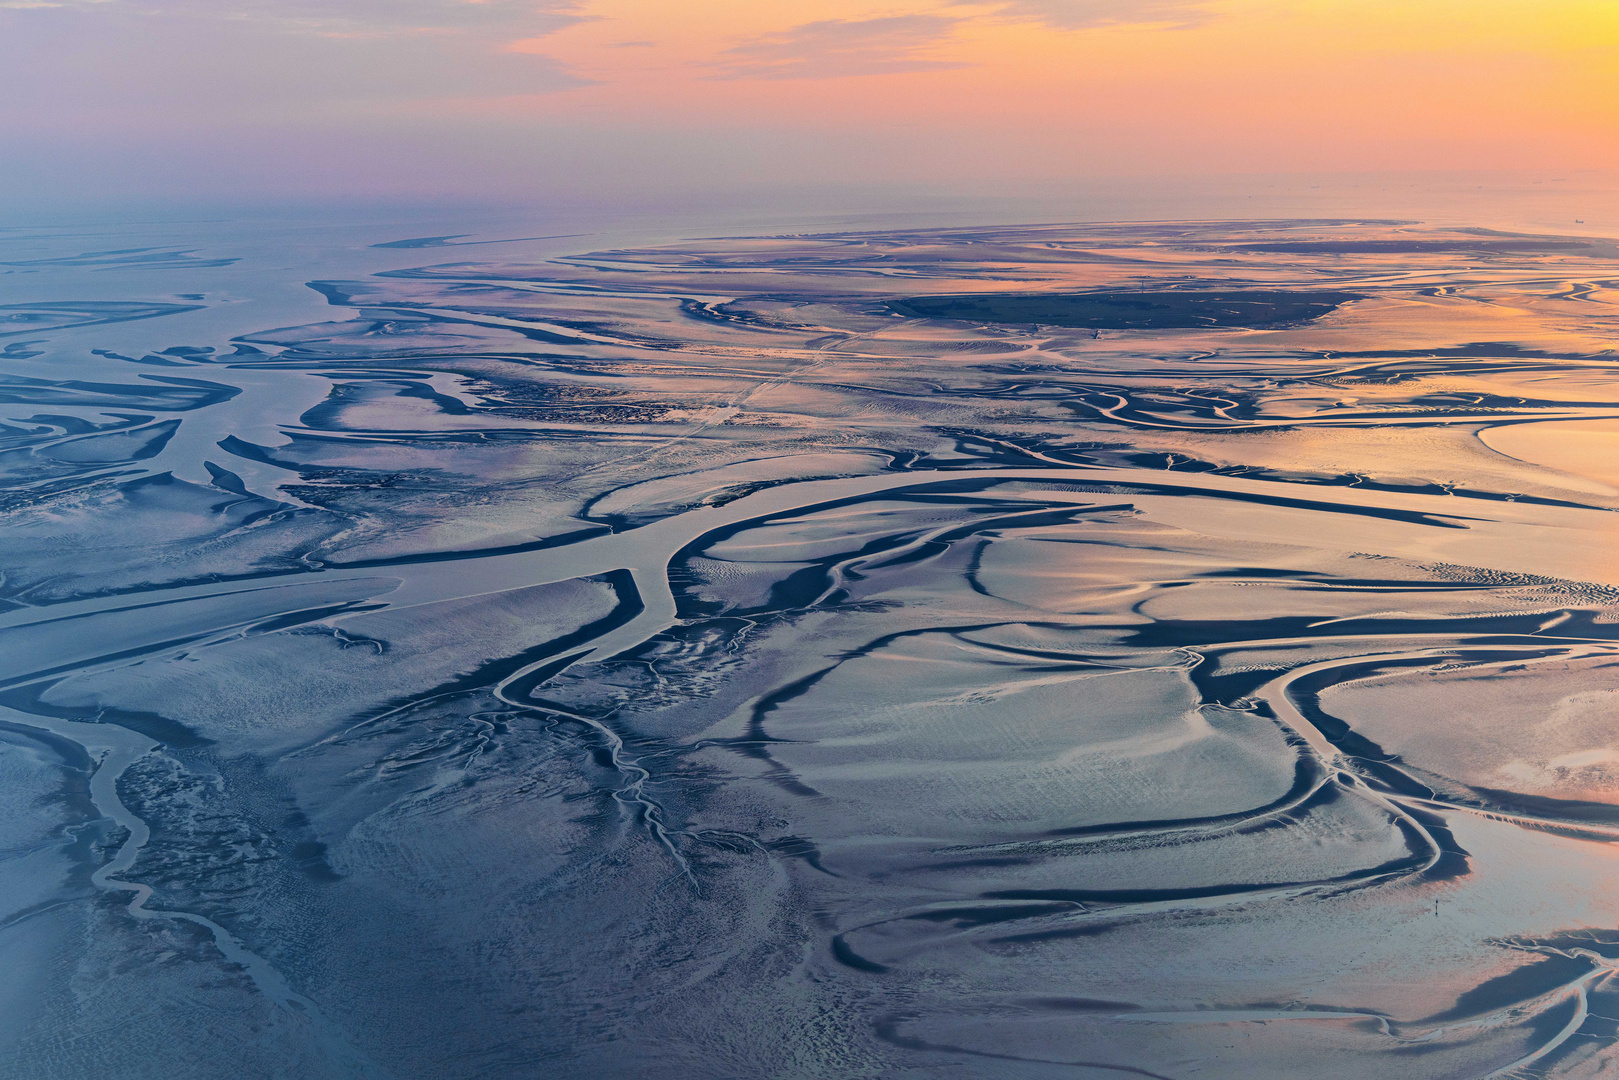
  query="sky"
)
[{"x": 626, "y": 99}]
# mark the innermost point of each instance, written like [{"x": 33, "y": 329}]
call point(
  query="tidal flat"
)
[{"x": 1167, "y": 650}]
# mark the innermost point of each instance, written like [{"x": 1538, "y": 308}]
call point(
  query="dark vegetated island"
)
[{"x": 1164, "y": 310}]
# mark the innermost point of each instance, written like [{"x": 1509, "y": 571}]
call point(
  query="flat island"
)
[{"x": 1162, "y": 310}]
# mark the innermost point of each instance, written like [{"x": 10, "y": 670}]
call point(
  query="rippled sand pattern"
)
[{"x": 682, "y": 662}]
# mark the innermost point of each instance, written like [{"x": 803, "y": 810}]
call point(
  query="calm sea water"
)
[{"x": 542, "y": 643}]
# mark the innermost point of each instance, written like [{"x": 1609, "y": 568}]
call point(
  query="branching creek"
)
[{"x": 691, "y": 660}]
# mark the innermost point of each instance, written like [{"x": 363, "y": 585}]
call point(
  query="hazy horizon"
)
[
  {"x": 978, "y": 540},
  {"x": 633, "y": 102}
]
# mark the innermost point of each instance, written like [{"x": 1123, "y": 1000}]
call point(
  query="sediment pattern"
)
[{"x": 704, "y": 660}]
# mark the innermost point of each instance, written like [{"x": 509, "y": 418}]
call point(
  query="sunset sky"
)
[{"x": 511, "y": 97}]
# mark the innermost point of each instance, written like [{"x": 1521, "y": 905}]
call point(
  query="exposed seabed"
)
[{"x": 712, "y": 659}]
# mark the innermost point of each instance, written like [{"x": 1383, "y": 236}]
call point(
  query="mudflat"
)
[{"x": 704, "y": 660}]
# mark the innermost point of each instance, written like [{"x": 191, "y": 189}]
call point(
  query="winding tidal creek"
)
[{"x": 1067, "y": 650}]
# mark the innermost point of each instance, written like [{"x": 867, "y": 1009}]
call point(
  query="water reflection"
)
[{"x": 705, "y": 659}]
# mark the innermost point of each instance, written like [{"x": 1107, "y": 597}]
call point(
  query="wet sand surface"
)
[{"x": 764, "y": 656}]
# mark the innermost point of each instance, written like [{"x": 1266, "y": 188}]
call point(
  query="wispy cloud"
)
[
  {"x": 271, "y": 61},
  {"x": 839, "y": 48},
  {"x": 384, "y": 16},
  {"x": 354, "y": 18},
  {"x": 1086, "y": 14}
]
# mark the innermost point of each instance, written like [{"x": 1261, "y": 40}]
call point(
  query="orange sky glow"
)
[
  {"x": 463, "y": 96},
  {"x": 1374, "y": 84}
]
